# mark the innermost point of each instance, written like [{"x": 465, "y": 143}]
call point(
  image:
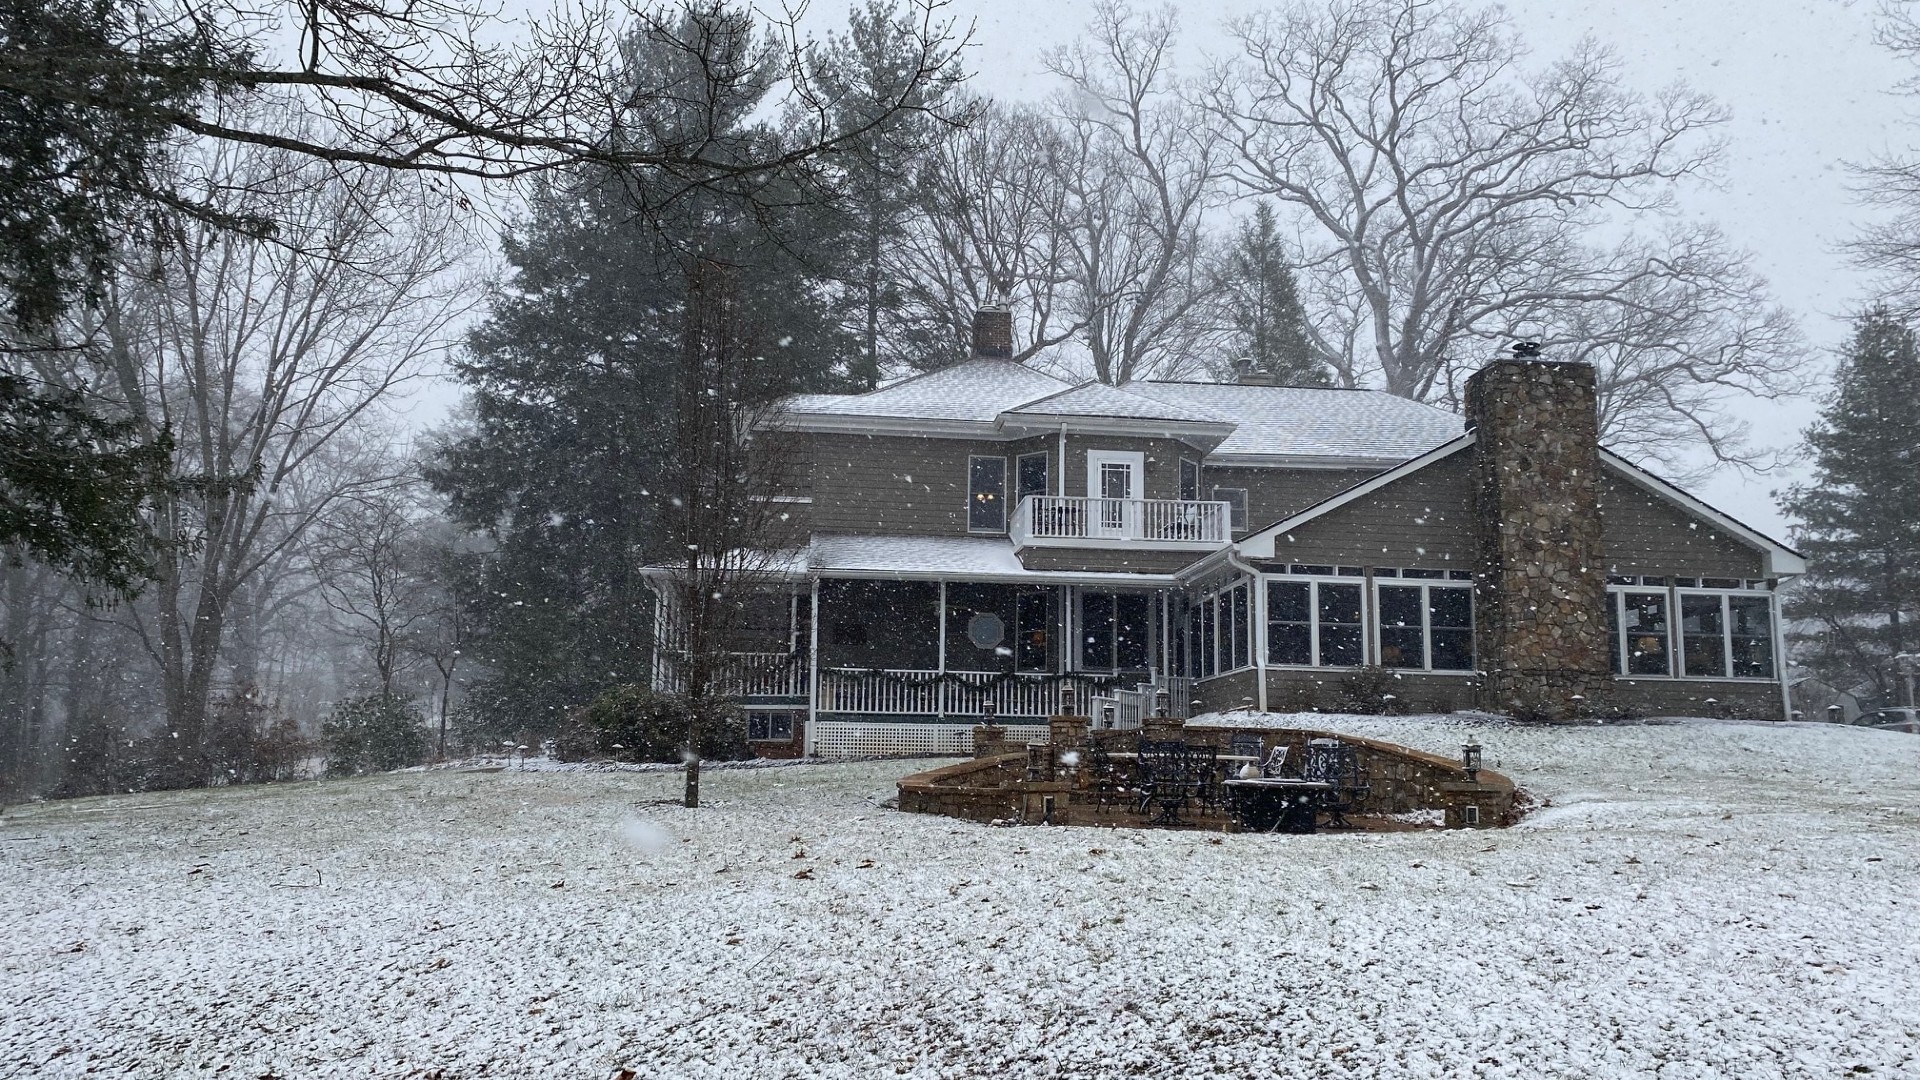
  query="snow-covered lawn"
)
[{"x": 1698, "y": 900}]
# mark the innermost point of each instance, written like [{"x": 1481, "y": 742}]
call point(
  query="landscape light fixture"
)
[
  {"x": 1470, "y": 761},
  {"x": 988, "y": 710},
  {"x": 1067, "y": 701},
  {"x": 1162, "y": 704},
  {"x": 1106, "y": 716}
]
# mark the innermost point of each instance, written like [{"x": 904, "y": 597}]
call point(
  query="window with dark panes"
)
[
  {"x": 1241, "y": 653},
  {"x": 1236, "y": 500},
  {"x": 1208, "y": 612},
  {"x": 1289, "y": 622},
  {"x": 1341, "y": 641},
  {"x": 1096, "y": 630},
  {"x": 1132, "y": 631},
  {"x": 1032, "y": 618},
  {"x": 1703, "y": 636},
  {"x": 987, "y": 494},
  {"x": 1750, "y": 631},
  {"x": 1194, "y": 642},
  {"x": 1029, "y": 475},
  {"x": 1402, "y": 637},
  {"x": 1644, "y": 633},
  {"x": 1450, "y": 639},
  {"x": 1189, "y": 480}
]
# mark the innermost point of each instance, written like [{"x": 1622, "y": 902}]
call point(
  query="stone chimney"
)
[
  {"x": 1251, "y": 377},
  {"x": 993, "y": 333},
  {"x": 1540, "y": 602}
]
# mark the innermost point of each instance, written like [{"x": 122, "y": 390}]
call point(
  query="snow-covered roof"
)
[
  {"x": 976, "y": 391},
  {"x": 1260, "y": 425},
  {"x": 973, "y": 558},
  {"x": 1099, "y": 399},
  {"x": 1291, "y": 422}
]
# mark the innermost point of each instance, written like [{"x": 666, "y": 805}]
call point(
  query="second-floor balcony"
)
[{"x": 1075, "y": 521}]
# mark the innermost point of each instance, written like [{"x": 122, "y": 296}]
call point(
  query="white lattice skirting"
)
[{"x": 842, "y": 738}]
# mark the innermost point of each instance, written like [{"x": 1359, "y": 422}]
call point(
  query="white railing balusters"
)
[{"x": 1073, "y": 517}]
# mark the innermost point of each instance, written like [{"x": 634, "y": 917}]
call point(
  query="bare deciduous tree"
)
[
  {"x": 365, "y": 562},
  {"x": 723, "y": 531},
  {"x": 1446, "y": 198},
  {"x": 1891, "y": 245},
  {"x": 1141, "y": 167},
  {"x": 993, "y": 232},
  {"x": 262, "y": 358}
]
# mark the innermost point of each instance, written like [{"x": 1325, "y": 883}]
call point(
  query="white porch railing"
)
[
  {"x": 748, "y": 675},
  {"x": 1131, "y": 708},
  {"x": 906, "y": 692},
  {"x": 1074, "y": 521}
]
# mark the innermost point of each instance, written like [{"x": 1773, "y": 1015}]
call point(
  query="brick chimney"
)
[
  {"x": 993, "y": 333},
  {"x": 1540, "y": 602}
]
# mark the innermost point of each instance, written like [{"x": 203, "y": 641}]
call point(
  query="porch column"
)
[
  {"x": 813, "y": 671},
  {"x": 940, "y": 665},
  {"x": 1257, "y": 638}
]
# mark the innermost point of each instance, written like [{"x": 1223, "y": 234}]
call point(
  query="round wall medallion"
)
[{"x": 986, "y": 630}]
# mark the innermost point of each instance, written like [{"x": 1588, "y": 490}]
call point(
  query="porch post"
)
[
  {"x": 1257, "y": 637},
  {"x": 813, "y": 671},
  {"x": 941, "y": 664},
  {"x": 1780, "y": 653}
]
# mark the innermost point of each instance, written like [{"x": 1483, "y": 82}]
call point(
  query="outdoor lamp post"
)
[
  {"x": 1106, "y": 716},
  {"x": 1470, "y": 760}
]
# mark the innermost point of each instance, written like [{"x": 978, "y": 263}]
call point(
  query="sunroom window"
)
[
  {"x": 1426, "y": 627},
  {"x": 1314, "y": 623}
]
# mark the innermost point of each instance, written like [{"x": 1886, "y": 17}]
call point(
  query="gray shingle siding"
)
[
  {"x": 1423, "y": 519},
  {"x": 1273, "y": 494},
  {"x": 1646, "y": 534},
  {"x": 893, "y": 485}
]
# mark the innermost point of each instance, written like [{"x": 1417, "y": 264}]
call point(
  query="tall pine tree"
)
[
  {"x": 572, "y": 381},
  {"x": 1263, "y": 306},
  {"x": 1858, "y": 521}
]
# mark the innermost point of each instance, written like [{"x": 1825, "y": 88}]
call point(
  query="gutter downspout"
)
[{"x": 1257, "y": 636}]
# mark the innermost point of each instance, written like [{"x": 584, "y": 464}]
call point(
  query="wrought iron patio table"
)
[{"x": 1278, "y": 804}]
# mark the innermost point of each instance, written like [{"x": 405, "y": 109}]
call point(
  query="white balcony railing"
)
[{"x": 1075, "y": 521}]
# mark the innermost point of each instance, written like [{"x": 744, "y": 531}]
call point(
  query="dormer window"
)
[{"x": 987, "y": 494}]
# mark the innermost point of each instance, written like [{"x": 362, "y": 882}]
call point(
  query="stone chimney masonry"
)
[
  {"x": 993, "y": 333},
  {"x": 1540, "y": 612}
]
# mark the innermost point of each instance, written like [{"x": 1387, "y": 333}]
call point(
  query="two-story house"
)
[{"x": 981, "y": 536}]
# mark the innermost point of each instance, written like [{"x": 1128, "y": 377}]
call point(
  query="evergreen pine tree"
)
[
  {"x": 868, "y": 71},
  {"x": 1263, "y": 305},
  {"x": 572, "y": 379},
  {"x": 1858, "y": 521}
]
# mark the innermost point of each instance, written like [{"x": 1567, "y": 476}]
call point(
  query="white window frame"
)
[
  {"x": 1426, "y": 623},
  {"x": 1677, "y": 637},
  {"x": 1314, "y": 581},
  {"x": 1236, "y": 512},
  {"x": 1004, "y": 490}
]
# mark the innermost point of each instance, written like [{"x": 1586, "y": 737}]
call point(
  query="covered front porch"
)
[{"x": 910, "y": 666}]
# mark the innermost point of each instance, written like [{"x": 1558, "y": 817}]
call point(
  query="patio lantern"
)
[
  {"x": 1162, "y": 704},
  {"x": 1067, "y": 702},
  {"x": 1470, "y": 761},
  {"x": 1106, "y": 716},
  {"x": 989, "y": 709}
]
